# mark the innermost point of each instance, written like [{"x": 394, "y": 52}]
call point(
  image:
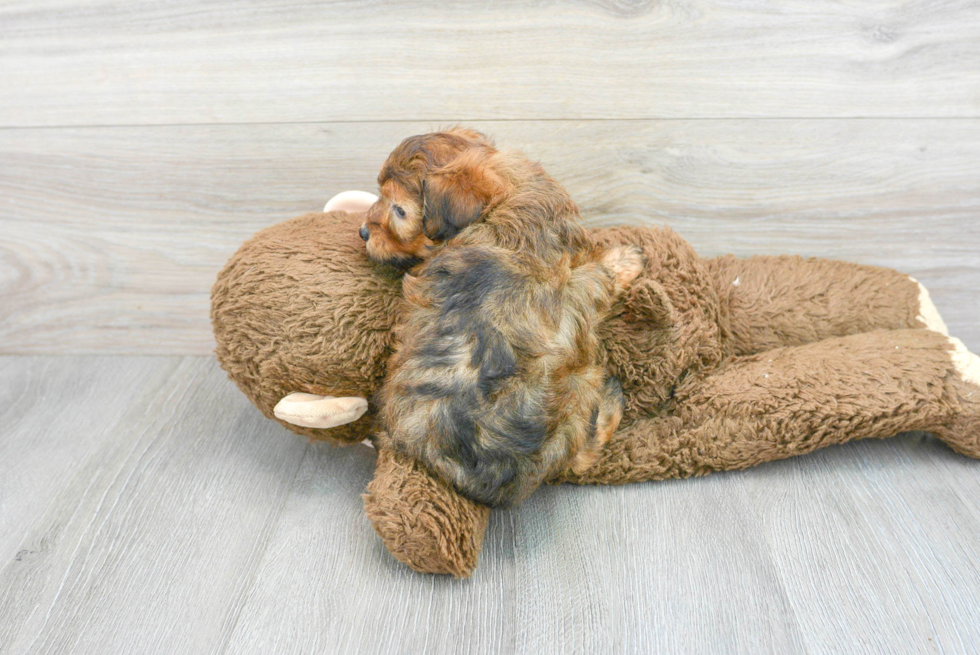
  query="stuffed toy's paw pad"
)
[
  {"x": 967, "y": 364},
  {"x": 928, "y": 314}
]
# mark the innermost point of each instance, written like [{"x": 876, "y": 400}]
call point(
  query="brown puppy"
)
[
  {"x": 497, "y": 380},
  {"x": 431, "y": 186}
]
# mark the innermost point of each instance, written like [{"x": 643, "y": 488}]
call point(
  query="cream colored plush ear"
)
[
  {"x": 311, "y": 411},
  {"x": 350, "y": 201}
]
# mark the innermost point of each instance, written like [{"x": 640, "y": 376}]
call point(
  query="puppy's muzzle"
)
[{"x": 364, "y": 232}]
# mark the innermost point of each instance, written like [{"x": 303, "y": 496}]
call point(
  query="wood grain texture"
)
[
  {"x": 870, "y": 546},
  {"x": 111, "y": 63},
  {"x": 873, "y": 531},
  {"x": 56, "y": 414},
  {"x": 153, "y": 539},
  {"x": 188, "y": 523},
  {"x": 347, "y": 594},
  {"x": 146, "y": 507},
  {"x": 674, "y": 567},
  {"x": 112, "y": 237}
]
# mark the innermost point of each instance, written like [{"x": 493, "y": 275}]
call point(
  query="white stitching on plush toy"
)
[{"x": 928, "y": 313}]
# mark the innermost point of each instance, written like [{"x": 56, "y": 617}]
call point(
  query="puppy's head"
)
[{"x": 432, "y": 186}]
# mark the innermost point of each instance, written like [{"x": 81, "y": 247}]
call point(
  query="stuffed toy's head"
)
[{"x": 303, "y": 322}]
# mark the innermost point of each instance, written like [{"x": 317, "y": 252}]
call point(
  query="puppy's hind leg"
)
[
  {"x": 608, "y": 415},
  {"x": 625, "y": 263},
  {"x": 610, "y": 411}
]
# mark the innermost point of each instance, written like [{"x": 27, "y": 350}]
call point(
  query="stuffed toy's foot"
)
[
  {"x": 963, "y": 431},
  {"x": 791, "y": 401}
]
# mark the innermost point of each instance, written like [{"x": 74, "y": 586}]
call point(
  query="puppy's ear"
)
[{"x": 457, "y": 194}]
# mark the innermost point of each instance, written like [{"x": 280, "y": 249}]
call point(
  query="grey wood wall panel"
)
[
  {"x": 153, "y": 543},
  {"x": 109, "y": 63},
  {"x": 110, "y": 238}
]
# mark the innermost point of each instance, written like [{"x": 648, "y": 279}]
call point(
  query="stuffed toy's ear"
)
[
  {"x": 312, "y": 411},
  {"x": 350, "y": 201},
  {"x": 457, "y": 194}
]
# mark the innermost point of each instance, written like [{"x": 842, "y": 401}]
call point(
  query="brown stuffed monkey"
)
[{"x": 725, "y": 363}]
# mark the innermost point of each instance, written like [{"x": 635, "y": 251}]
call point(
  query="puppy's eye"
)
[{"x": 399, "y": 212}]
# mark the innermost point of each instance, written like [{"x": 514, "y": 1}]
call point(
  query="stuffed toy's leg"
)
[
  {"x": 789, "y": 301},
  {"x": 785, "y": 402},
  {"x": 793, "y": 400}
]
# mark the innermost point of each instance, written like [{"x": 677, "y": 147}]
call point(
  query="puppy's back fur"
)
[
  {"x": 496, "y": 385},
  {"x": 497, "y": 381}
]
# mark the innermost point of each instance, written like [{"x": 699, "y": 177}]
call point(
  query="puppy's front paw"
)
[{"x": 626, "y": 263}]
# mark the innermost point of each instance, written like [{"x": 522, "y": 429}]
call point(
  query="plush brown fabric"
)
[
  {"x": 424, "y": 523},
  {"x": 789, "y": 401},
  {"x": 669, "y": 324},
  {"x": 300, "y": 308},
  {"x": 790, "y": 301},
  {"x": 725, "y": 363}
]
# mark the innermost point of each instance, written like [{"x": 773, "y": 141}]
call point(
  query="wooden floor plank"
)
[
  {"x": 55, "y": 413},
  {"x": 328, "y": 585},
  {"x": 673, "y": 567},
  {"x": 197, "y": 525},
  {"x": 107, "y": 63},
  {"x": 112, "y": 237},
  {"x": 152, "y": 545},
  {"x": 876, "y": 544}
]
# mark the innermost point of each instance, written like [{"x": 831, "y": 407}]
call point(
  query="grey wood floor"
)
[{"x": 145, "y": 506}]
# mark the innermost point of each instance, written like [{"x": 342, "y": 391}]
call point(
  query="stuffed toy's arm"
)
[{"x": 422, "y": 521}]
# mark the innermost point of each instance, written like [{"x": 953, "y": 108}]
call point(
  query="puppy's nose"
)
[{"x": 364, "y": 233}]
